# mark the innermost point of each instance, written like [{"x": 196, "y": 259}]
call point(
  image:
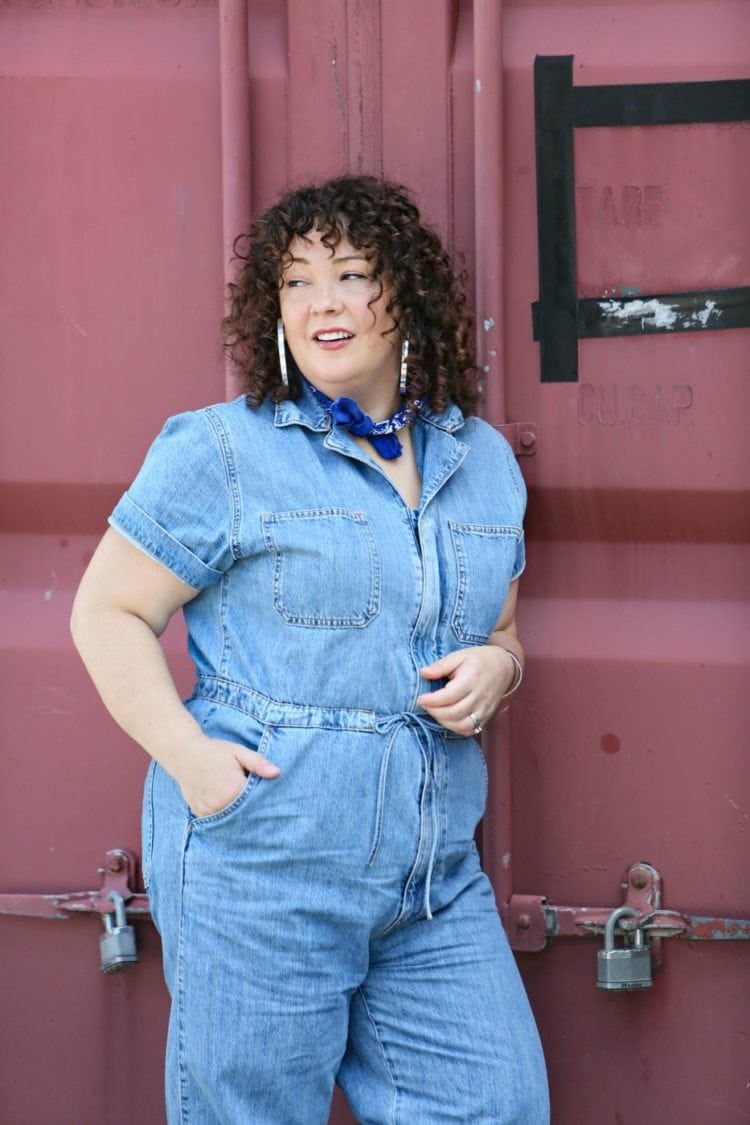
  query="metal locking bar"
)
[
  {"x": 118, "y": 876},
  {"x": 531, "y": 921}
]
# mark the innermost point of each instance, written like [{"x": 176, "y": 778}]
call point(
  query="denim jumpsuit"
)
[{"x": 333, "y": 923}]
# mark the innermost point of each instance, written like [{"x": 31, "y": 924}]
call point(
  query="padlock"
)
[
  {"x": 117, "y": 949},
  {"x": 628, "y": 967}
]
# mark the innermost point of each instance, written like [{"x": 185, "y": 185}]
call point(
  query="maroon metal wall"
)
[
  {"x": 629, "y": 742},
  {"x": 136, "y": 137}
]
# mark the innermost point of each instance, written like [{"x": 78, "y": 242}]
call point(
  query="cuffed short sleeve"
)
[{"x": 179, "y": 509}]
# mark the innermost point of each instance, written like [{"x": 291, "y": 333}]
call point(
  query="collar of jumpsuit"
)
[{"x": 309, "y": 412}]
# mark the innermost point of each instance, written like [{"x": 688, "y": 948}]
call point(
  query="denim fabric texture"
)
[{"x": 333, "y": 923}]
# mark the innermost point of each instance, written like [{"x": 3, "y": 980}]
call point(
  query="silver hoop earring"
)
[
  {"x": 281, "y": 342},
  {"x": 403, "y": 372}
]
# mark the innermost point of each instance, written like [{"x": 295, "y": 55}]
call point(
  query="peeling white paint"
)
[
  {"x": 506, "y": 860},
  {"x": 489, "y": 323},
  {"x": 653, "y": 312},
  {"x": 477, "y": 86},
  {"x": 658, "y": 314},
  {"x": 50, "y": 591},
  {"x": 704, "y": 314},
  {"x": 486, "y": 369}
]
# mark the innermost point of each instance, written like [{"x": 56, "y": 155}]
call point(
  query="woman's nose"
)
[{"x": 325, "y": 298}]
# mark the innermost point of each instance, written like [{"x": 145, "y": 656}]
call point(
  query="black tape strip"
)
[
  {"x": 664, "y": 312},
  {"x": 557, "y": 311},
  {"x": 662, "y": 103}
]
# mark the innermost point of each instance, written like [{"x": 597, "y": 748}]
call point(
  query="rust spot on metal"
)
[{"x": 610, "y": 744}]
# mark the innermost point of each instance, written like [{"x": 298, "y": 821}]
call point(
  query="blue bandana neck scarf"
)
[{"x": 381, "y": 435}]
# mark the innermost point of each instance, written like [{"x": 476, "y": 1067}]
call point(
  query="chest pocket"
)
[
  {"x": 326, "y": 572},
  {"x": 485, "y": 557}
]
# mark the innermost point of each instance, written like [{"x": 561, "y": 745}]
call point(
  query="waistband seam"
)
[{"x": 272, "y": 712}]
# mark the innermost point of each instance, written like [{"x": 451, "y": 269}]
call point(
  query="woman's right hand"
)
[{"x": 212, "y": 773}]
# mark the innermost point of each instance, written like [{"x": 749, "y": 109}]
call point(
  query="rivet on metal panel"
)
[
  {"x": 528, "y": 439},
  {"x": 643, "y": 879},
  {"x": 641, "y": 887},
  {"x": 525, "y": 922},
  {"x": 522, "y": 437}
]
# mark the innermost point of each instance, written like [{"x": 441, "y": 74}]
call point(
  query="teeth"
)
[{"x": 327, "y": 337}]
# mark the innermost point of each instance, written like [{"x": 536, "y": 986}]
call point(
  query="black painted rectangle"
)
[
  {"x": 699, "y": 311},
  {"x": 557, "y": 307},
  {"x": 559, "y": 319},
  {"x": 662, "y": 103}
]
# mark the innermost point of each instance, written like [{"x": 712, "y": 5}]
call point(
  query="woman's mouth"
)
[{"x": 333, "y": 338}]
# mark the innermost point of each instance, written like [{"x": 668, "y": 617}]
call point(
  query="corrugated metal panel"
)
[{"x": 136, "y": 139}]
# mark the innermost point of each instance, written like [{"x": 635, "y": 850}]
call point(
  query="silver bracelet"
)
[{"x": 517, "y": 673}]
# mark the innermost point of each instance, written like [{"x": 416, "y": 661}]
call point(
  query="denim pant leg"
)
[
  {"x": 441, "y": 1030},
  {"x": 259, "y": 1013},
  {"x": 265, "y": 914}
]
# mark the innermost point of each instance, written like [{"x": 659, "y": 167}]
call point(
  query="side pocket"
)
[{"x": 251, "y": 784}]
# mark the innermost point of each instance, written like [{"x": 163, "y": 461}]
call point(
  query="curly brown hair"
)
[{"x": 381, "y": 218}]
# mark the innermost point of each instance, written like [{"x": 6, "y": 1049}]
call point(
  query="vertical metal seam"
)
[
  {"x": 235, "y": 136},
  {"x": 364, "y": 86},
  {"x": 488, "y": 203},
  {"x": 490, "y": 259}
]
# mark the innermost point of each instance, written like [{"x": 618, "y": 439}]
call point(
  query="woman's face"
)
[{"x": 335, "y": 328}]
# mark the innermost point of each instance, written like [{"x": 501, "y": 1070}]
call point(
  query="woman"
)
[{"x": 345, "y": 541}]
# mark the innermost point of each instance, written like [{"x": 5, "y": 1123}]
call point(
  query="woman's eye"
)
[
  {"x": 352, "y": 275},
  {"x": 294, "y": 282}
]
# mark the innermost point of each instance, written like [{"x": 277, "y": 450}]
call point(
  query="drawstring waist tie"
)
[
  {"x": 424, "y": 730},
  {"x": 428, "y": 733}
]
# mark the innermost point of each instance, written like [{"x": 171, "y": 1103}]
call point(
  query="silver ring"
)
[{"x": 477, "y": 725}]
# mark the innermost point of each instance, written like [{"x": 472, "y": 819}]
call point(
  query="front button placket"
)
[{"x": 443, "y": 455}]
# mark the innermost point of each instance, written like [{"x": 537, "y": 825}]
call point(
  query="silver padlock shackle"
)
[
  {"x": 121, "y": 917},
  {"x": 614, "y": 918}
]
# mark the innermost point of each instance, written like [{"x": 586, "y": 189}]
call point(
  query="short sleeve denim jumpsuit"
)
[{"x": 333, "y": 923}]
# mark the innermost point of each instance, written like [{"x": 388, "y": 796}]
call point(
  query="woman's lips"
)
[{"x": 331, "y": 339}]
